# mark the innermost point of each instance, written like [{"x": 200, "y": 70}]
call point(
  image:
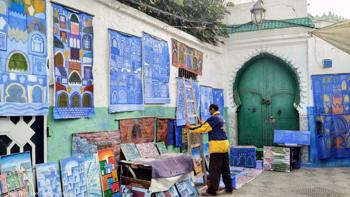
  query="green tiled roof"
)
[{"x": 271, "y": 24}]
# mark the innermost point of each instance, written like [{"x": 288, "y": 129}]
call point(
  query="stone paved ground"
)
[{"x": 325, "y": 182}]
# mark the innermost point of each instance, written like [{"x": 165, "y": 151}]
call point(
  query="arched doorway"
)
[{"x": 266, "y": 90}]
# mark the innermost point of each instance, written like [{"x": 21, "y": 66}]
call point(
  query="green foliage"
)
[{"x": 201, "y": 18}]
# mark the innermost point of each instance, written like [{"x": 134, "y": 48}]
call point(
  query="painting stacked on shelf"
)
[
  {"x": 23, "y": 53},
  {"x": 156, "y": 65},
  {"x": 332, "y": 112},
  {"x": 186, "y": 57},
  {"x": 73, "y": 63},
  {"x": 125, "y": 87}
]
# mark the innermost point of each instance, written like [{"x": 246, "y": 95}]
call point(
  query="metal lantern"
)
[{"x": 258, "y": 12}]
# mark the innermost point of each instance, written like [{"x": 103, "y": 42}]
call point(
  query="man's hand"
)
[{"x": 187, "y": 126}]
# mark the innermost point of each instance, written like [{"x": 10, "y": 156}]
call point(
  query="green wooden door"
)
[{"x": 267, "y": 91}]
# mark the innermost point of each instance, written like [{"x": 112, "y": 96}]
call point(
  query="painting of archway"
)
[
  {"x": 75, "y": 100},
  {"x": 37, "y": 95},
  {"x": 63, "y": 100},
  {"x": 87, "y": 100},
  {"x": 16, "y": 93},
  {"x": 17, "y": 63},
  {"x": 59, "y": 60},
  {"x": 74, "y": 24},
  {"x": 75, "y": 78},
  {"x": 37, "y": 43}
]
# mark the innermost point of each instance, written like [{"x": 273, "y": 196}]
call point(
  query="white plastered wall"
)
[{"x": 110, "y": 14}]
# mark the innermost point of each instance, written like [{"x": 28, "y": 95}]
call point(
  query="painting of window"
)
[
  {"x": 37, "y": 95},
  {"x": 63, "y": 100},
  {"x": 37, "y": 43},
  {"x": 17, "y": 63},
  {"x": 3, "y": 41},
  {"x": 76, "y": 100},
  {"x": 87, "y": 100},
  {"x": 58, "y": 60},
  {"x": 74, "y": 25},
  {"x": 63, "y": 35},
  {"x": 63, "y": 22},
  {"x": 75, "y": 78},
  {"x": 75, "y": 54},
  {"x": 87, "y": 42},
  {"x": 87, "y": 73},
  {"x": 16, "y": 93}
]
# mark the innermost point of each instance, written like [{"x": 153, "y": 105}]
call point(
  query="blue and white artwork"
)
[
  {"x": 125, "y": 78},
  {"x": 48, "y": 180},
  {"x": 92, "y": 170},
  {"x": 19, "y": 174},
  {"x": 23, "y": 54},
  {"x": 181, "y": 111},
  {"x": 73, "y": 177},
  {"x": 156, "y": 65},
  {"x": 73, "y": 63},
  {"x": 218, "y": 98},
  {"x": 206, "y": 99}
]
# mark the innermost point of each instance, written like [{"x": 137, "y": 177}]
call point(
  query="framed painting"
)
[
  {"x": 48, "y": 180},
  {"x": 138, "y": 130}
]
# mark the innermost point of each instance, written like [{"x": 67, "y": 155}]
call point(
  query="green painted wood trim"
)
[
  {"x": 60, "y": 131},
  {"x": 271, "y": 24}
]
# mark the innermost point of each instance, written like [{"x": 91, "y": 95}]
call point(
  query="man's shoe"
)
[
  {"x": 208, "y": 194},
  {"x": 229, "y": 191}
]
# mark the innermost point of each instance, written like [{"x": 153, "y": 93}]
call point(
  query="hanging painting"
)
[
  {"x": 140, "y": 130},
  {"x": 17, "y": 168},
  {"x": 156, "y": 66},
  {"x": 162, "y": 129},
  {"x": 73, "y": 177},
  {"x": 206, "y": 99},
  {"x": 109, "y": 176},
  {"x": 186, "y": 57},
  {"x": 88, "y": 143},
  {"x": 48, "y": 180},
  {"x": 23, "y": 58},
  {"x": 130, "y": 152},
  {"x": 171, "y": 133},
  {"x": 147, "y": 150},
  {"x": 181, "y": 110},
  {"x": 92, "y": 171},
  {"x": 73, "y": 63},
  {"x": 125, "y": 72},
  {"x": 218, "y": 98}
]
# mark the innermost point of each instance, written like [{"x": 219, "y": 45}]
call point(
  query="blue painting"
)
[
  {"x": 73, "y": 177},
  {"x": 23, "y": 53},
  {"x": 19, "y": 174},
  {"x": 73, "y": 63},
  {"x": 48, "y": 180},
  {"x": 156, "y": 66},
  {"x": 332, "y": 114},
  {"x": 206, "y": 99},
  {"x": 125, "y": 78},
  {"x": 181, "y": 111},
  {"x": 218, "y": 98},
  {"x": 92, "y": 170}
]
